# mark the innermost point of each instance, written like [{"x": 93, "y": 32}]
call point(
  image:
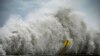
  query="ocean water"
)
[{"x": 44, "y": 32}]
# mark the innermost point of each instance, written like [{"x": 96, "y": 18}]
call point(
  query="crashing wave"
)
[{"x": 44, "y": 33}]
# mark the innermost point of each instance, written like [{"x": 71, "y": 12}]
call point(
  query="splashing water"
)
[{"x": 44, "y": 31}]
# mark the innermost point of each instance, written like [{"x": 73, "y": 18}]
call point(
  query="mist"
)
[{"x": 43, "y": 31}]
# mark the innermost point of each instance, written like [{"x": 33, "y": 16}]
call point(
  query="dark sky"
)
[
  {"x": 13, "y": 7},
  {"x": 92, "y": 9}
]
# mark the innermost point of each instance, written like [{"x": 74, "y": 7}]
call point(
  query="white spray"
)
[{"x": 44, "y": 30}]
